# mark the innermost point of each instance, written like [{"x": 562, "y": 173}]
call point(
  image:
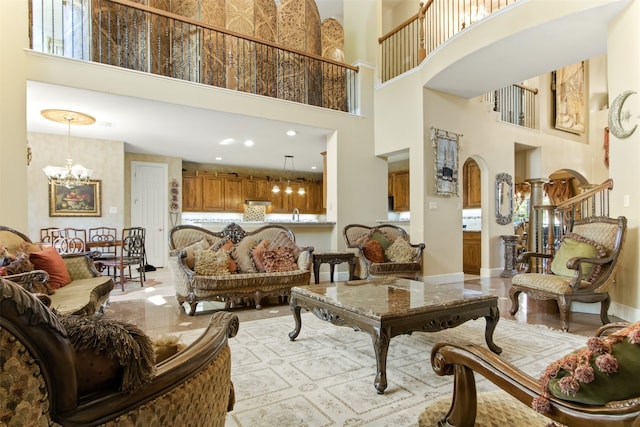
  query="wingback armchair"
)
[
  {"x": 48, "y": 380},
  {"x": 583, "y": 269},
  {"x": 383, "y": 250}
]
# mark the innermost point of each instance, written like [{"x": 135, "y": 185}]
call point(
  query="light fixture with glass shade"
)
[
  {"x": 288, "y": 189},
  {"x": 69, "y": 175}
]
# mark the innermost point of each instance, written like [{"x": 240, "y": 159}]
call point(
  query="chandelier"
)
[
  {"x": 69, "y": 175},
  {"x": 288, "y": 189}
]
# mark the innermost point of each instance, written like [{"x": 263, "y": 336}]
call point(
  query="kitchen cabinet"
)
[
  {"x": 471, "y": 197},
  {"x": 208, "y": 192},
  {"x": 471, "y": 252},
  {"x": 191, "y": 192},
  {"x": 399, "y": 189},
  {"x": 315, "y": 198},
  {"x": 256, "y": 189},
  {"x": 233, "y": 198}
]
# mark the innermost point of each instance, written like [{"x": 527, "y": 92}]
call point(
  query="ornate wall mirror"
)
[{"x": 504, "y": 198}]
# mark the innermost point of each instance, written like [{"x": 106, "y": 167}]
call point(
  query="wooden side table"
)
[{"x": 333, "y": 258}]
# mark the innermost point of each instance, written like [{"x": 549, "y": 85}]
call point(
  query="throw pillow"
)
[
  {"x": 572, "y": 246},
  {"x": 50, "y": 261},
  {"x": 384, "y": 241},
  {"x": 400, "y": 251},
  {"x": 113, "y": 340},
  {"x": 607, "y": 369},
  {"x": 190, "y": 259},
  {"x": 210, "y": 263},
  {"x": 279, "y": 259},
  {"x": 19, "y": 264},
  {"x": 257, "y": 253},
  {"x": 373, "y": 251},
  {"x": 282, "y": 239},
  {"x": 227, "y": 246},
  {"x": 242, "y": 255}
]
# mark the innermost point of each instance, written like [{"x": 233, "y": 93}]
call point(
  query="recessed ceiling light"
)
[
  {"x": 248, "y": 143},
  {"x": 313, "y": 167},
  {"x": 218, "y": 158},
  {"x": 227, "y": 141},
  {"x": 291, "y": 132}
]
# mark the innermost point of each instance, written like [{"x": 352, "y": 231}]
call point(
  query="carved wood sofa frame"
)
[{"x": 193, "y": 288}]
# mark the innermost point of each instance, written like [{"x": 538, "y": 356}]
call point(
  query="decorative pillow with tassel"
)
[{"x": 607, "y": 369}]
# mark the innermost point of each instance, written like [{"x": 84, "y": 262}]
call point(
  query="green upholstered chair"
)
[{"x": 583, "y": 268}]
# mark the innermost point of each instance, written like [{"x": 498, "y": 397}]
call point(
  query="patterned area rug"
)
[{"x": 325, "y": 377}]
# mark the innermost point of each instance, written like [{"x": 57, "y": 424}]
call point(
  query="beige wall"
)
[
  {"x": 106, "y": 158},
  {"x": 13, "y": 119},
  {"x": 624, "y": 74}
]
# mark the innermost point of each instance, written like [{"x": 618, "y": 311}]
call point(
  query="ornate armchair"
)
[
  {"x": 582, "y": 269},
  {"x": 48, "y": 379},
  {"x": 383, "y": 251},
  {"x": 518, "y": 394}
]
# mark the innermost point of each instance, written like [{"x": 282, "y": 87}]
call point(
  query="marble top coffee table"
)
[{"x": 387, "y": 307}]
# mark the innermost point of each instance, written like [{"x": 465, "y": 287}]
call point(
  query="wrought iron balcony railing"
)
[{"x": 142, "y": 38}]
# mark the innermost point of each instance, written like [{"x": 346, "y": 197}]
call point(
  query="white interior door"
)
[{"x": 149, "y": 207}]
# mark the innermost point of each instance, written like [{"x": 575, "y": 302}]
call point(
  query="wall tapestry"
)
[
  {"x": 570, "y": 98},
  {"x": 445, "y": 145}
]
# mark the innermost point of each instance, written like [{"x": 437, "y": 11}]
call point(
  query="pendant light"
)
[{"x": 288, "y": 189}]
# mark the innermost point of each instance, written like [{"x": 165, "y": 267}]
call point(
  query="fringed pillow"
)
[
  {"x": 210, "y": 263},
  {"x": 608, "y": 369},
  {"x": 226, "y": 245},
  {"x": 99, "y": 342},
  {"x": 400, "y": 251},
  {"x": 279, "y": 259},
  {"x": 573, "y": 245},
  {"x": 190, "y": 259}
]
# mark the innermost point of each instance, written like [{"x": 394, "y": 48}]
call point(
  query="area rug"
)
[{"x": 325, "y": 377}]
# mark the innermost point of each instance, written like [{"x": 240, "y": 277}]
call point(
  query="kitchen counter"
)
[{"x": 252, "y": 225}]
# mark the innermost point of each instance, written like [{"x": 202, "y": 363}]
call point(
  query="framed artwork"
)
[
  {"x": 84, "y": 200},
  {"x": 570, "y": 104},
  {"x": 445, "y": 145}
]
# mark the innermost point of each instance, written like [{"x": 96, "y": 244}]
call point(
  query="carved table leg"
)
[
  {"x": 316, "y": 269},
  {"x": 296, "y": 316},
  {"x": 381, "y": 340},
  {"x": 492, "y": 322}
]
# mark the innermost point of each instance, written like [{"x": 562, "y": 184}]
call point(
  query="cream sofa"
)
[
  {"x": 87, "y": 292},
  {"x": 230, "y": 288}
]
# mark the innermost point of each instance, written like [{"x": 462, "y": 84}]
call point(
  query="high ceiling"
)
[{"x": 195, "y": 134}]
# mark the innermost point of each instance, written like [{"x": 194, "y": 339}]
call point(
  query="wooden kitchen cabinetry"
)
[
  {"x": 471, "y": 197},
  {"x": 399, "y": 189},
  {"x": 203, "y": 192},
  {"x": 191, "y": 192},
  {"x": 256, "y": 189},
  {"x": 471, "y": 252},
  {"x": 208, "y": 192}
]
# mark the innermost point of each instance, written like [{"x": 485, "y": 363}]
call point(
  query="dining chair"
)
[
  {"x": 48, "y": 235},
  {"x": 132, "y": 253},
  {"x": 103, "y": 241}
]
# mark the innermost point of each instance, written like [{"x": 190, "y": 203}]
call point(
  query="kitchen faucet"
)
[{"x": 295, "y": 212}]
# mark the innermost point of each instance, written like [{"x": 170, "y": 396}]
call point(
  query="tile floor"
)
[{"x": 155, "y": 310}]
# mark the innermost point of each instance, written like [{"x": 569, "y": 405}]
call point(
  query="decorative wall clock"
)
[{"x": 617, "y": 116}]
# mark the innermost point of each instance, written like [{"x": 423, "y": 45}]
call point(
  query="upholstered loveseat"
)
[
  {"x": 234, "y": 264},
  {"x": 383, "y": 250},
  {"x": 90, "y": 370},
  {"x": 87, "y": 290}
]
